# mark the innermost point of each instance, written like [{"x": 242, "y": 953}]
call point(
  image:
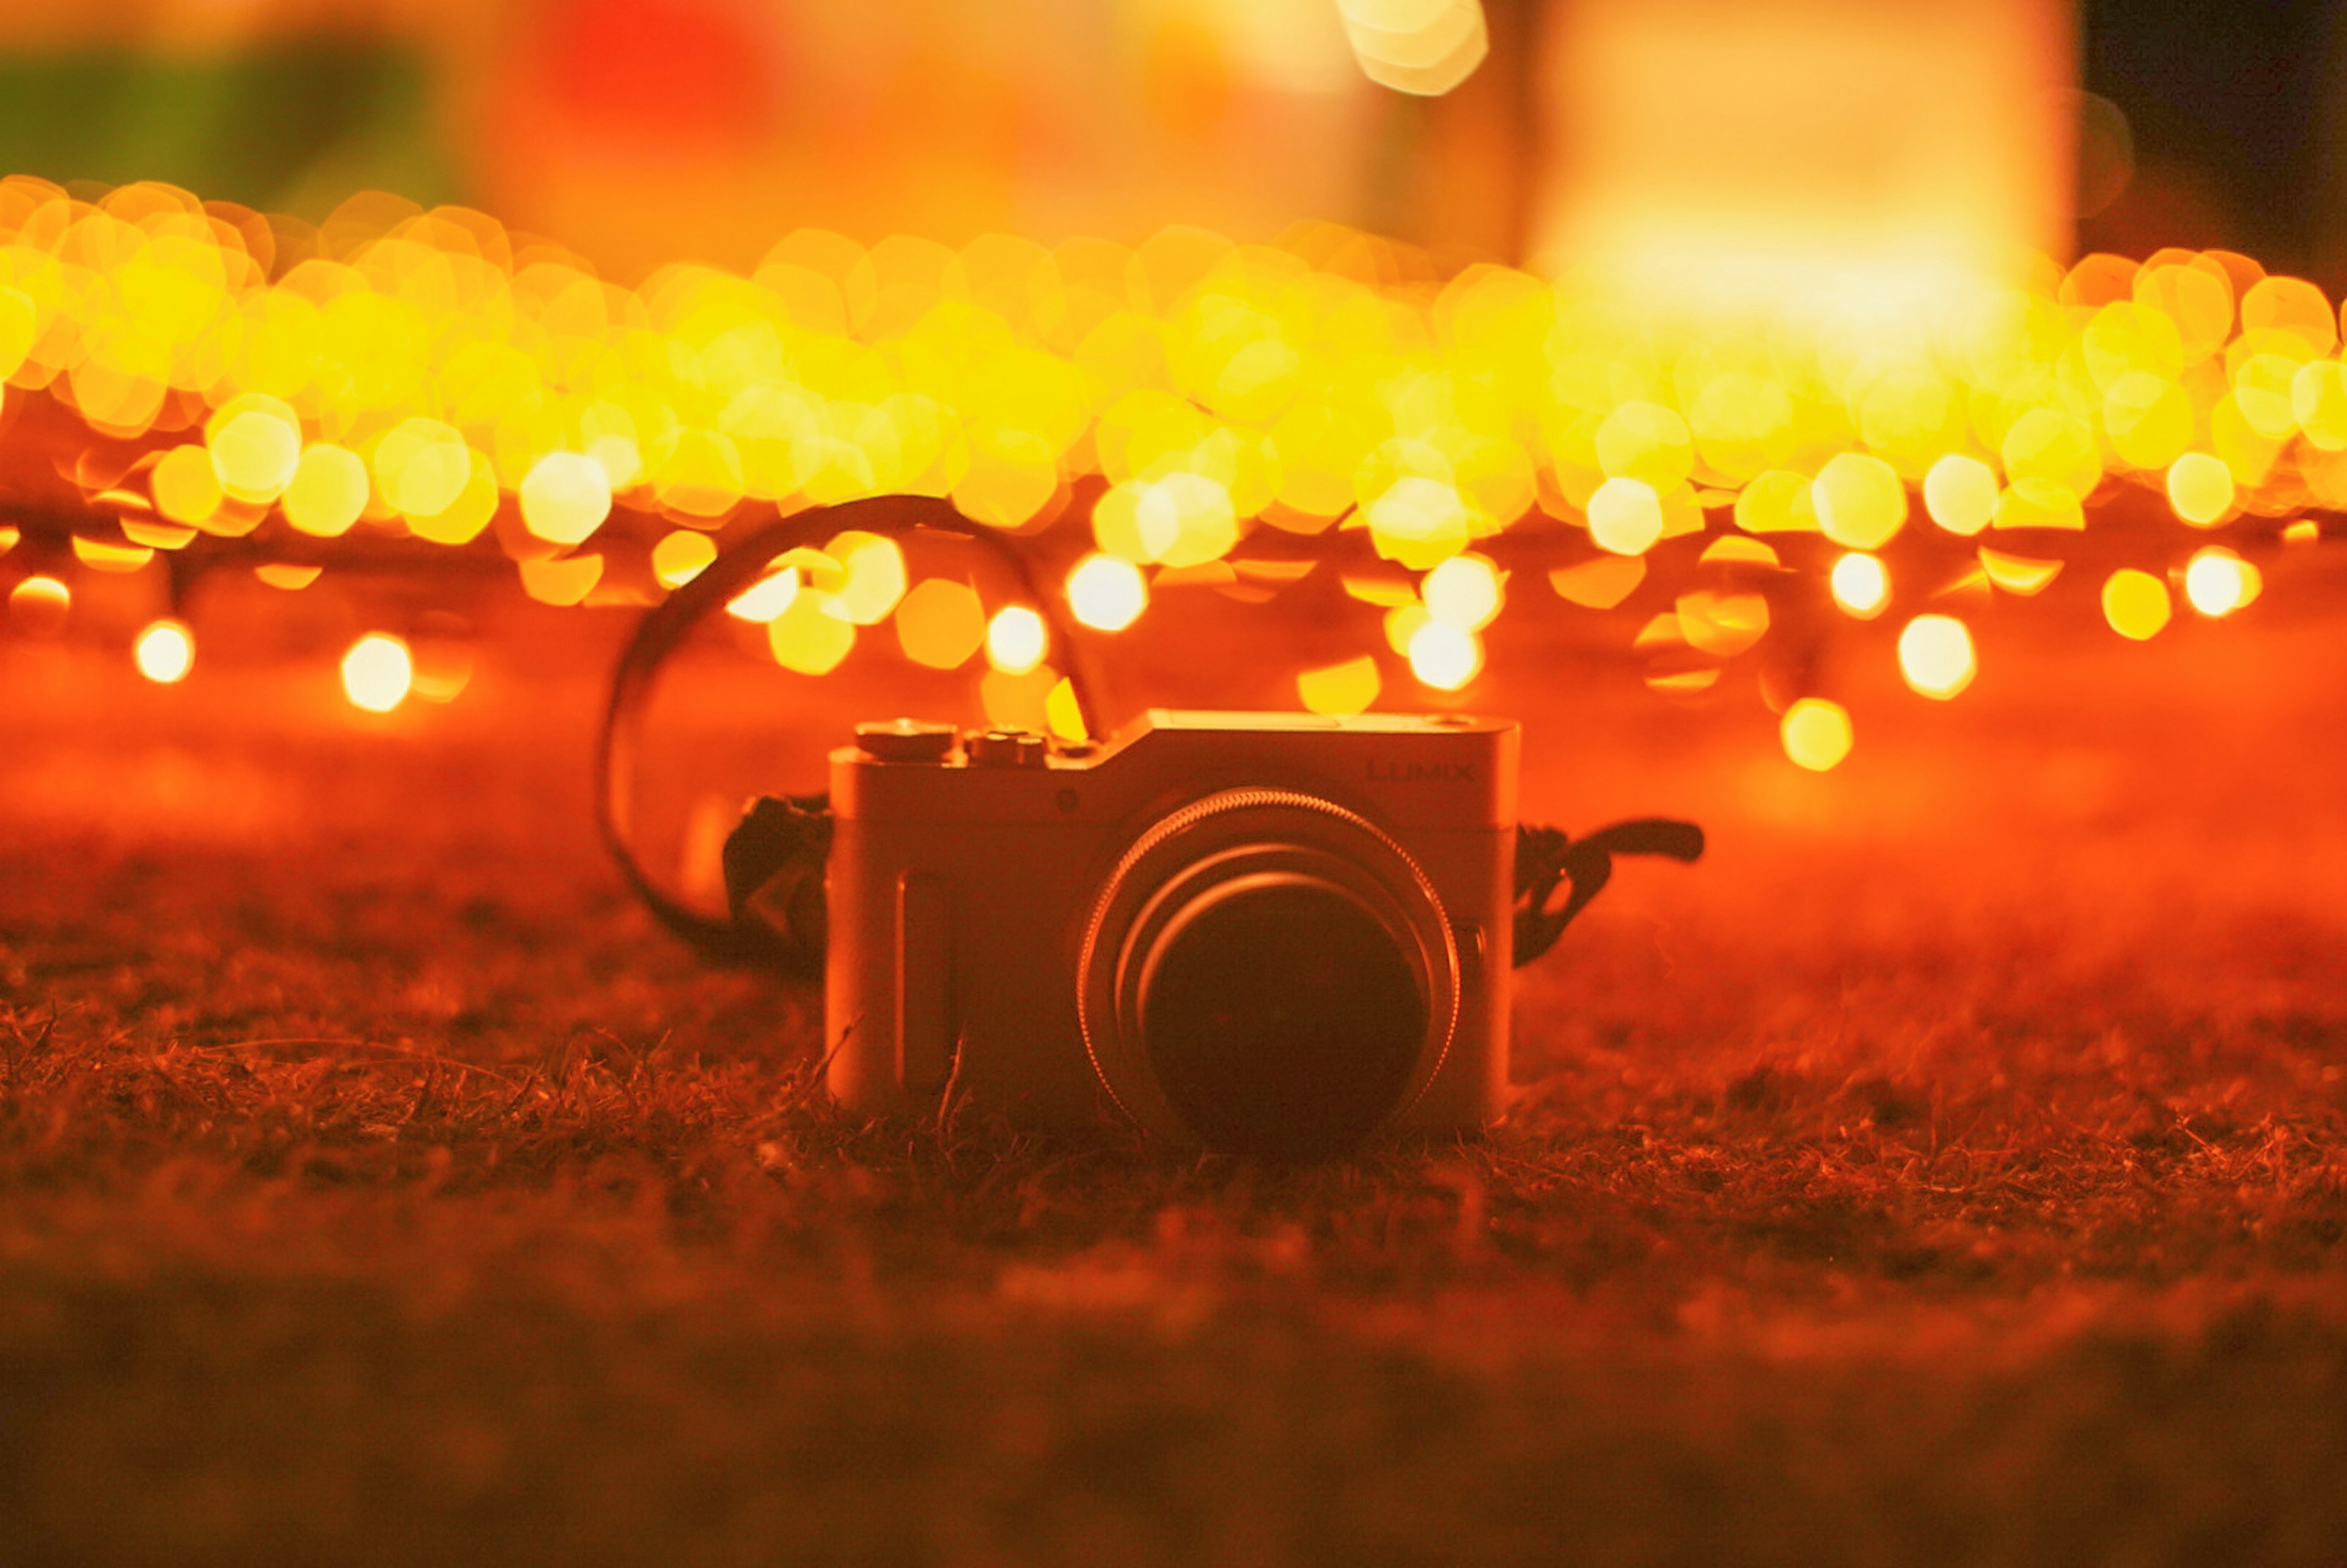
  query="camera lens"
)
[
  {"x": 1282, "y": 1015},
  {"x": 1268, "y": 972}
]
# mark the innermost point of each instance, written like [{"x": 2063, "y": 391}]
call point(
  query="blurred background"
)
[{"x": 1632, "y": 134}]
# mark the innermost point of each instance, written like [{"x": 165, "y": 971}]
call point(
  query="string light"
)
[
  {"x": 1444, "y": 656},
  {"x": 1816, "y": 734},
  {"x": 1172, "y": 399},
  {"x": 1860, "y": 584},
  {"x": 1935, "y": 655},
  {"x": 165, "y": 652},
  {"x": 2217, "y": 582},
  {"x": 40, "y": 604},
  {"x": 2135, "y": 604},
  {"x": 378, "y": 672},
  {"x": 1106, "y": 593},
  {"x": 1016, "y": 640}
]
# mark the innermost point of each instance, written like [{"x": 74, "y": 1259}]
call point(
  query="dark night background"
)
[{"x": 2236, "y": 114}]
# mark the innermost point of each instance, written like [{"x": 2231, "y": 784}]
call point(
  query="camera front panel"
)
[{"x": 960, "y": 897}]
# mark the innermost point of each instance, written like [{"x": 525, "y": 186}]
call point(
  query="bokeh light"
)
[
  {"x": 812, "y": 635},
  {"x": 255, "y": 443},
  {"x": 2217, "y": 582},
  {"x": 1861, "y": 585},
  {"x": 40, "y": 605},
  {"x": 1625, "y": 516},
  {"x": 1960, "y": 494},
  {"x": 1016, "y": 640},
  {"x": 378, "y": 672},
  {"x": 1107, "y": 593},
  {"x": 2135, "y": 604},
  {"x": 681, "y": 555},
  {"x": 1935, "y": 655},
  {"x": 766, "y": 598},
  {"x": 942, "y": 623},
  {"x": 327, "y": 492},
  {"x": 1816, "y": 734},
  {"x": 1860, "y": 501},
  {"x": 1423, "y": 47},
  {"x": 1464, "y": 591},
  {"x": 423, "y": 383},
  {"x": 2200, "y": 487},
  {"x": 165, "y": 652},
  {"x": 1339, "y": 689},
  {"x": 1444, "y": 656},
  {"x": 565, "y": 497}
]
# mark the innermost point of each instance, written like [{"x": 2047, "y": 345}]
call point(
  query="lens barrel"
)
[{"x": 1268, "y": 973}]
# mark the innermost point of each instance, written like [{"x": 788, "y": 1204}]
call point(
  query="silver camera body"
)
[{"x": 1267, "y": 932}]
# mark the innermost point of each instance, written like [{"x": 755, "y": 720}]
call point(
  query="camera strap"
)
[{"x": 774, "y": 859}]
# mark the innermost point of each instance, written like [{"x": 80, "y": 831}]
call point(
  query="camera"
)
[{"x": 1268, "y": 933}]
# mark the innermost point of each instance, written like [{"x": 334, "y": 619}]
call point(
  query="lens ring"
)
[
  {"x": 1230, "y": 834},
  {"x": 1283, "y": 1013}
]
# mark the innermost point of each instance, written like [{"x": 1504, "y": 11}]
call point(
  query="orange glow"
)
[
  {"x": 2018, "y": 574},
  {"x": 1106, "y": 593},
  {"x": 1816, "y": 734},
  {"x": 378, "y": 672},
  {"x": 100, "y": 556},
  {"x": 1723, "y": 624},
  {"x": 1016, "y": 640},
  {"x": 561, "y": 580},
  {"x": 1851, "y": 159},
  {"x": 165, "y": 652},
  {"x": 1860, "y": 584},
  {"x": 942, "y": 623},
  {"x": 1598, "y": 584},
  {"x": 1935, "y": 655}
]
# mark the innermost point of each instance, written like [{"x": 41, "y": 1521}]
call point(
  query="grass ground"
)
[{"x": 1953, "y": 1169}]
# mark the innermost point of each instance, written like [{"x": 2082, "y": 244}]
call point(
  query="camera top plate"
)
[{"x": 1440, "y": 770}]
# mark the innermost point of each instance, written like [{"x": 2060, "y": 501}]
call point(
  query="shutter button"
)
[
  {"x": 1005, "y": 748},
  {"x": 906, "y": 741}
]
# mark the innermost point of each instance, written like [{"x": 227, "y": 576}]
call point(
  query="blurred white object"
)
[
  {"x": 1724, "y": 151},
  {"x": 1421, "y": 47}
]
